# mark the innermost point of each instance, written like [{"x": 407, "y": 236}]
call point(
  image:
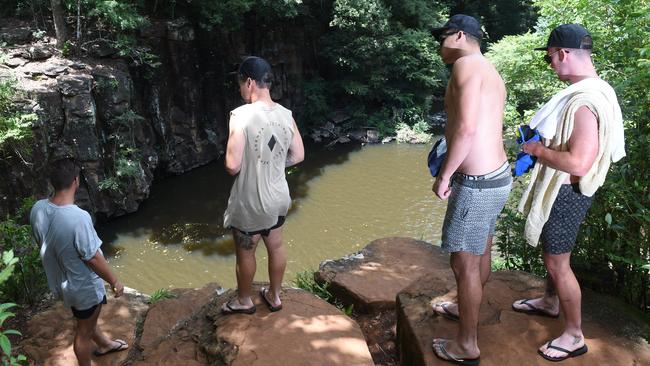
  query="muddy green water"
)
[{"x": 343, "y": 199}]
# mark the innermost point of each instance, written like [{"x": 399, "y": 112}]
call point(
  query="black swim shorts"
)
[
  {"x": 561, "y": 230},
  {"x": 263, "y": 232},
  {"x": 87, "y": 313}
]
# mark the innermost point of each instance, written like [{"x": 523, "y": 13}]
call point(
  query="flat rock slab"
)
[
  {"x": 507, "y": 337},
  {"x": 164, "y": 315},
  {"x": 372, "y": 278},
  {"x": 307, "y": 331},
  {"x": 50, "y": 334}
]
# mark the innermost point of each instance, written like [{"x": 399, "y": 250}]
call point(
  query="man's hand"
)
[
  {"x": 118, "y": 289},
  {"x": 441, "y": 188},
  {"x": 533, "y": 148}
]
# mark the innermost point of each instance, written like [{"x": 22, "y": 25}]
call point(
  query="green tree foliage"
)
[
  {"x": 15, "y": 124},
  {"x": 499, "y": 17},
  {"x": 8, "y": 264},
  {"x": 613, "y": 246},
  {"x": 27, "y": 284},
  {"x": 229, "y": 15},
  {"x": 384, "y": 63}
]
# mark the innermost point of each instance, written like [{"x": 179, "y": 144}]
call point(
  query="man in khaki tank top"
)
[
  {"x": 475, "y": 177},
  {"x": 263, "y": 141}
]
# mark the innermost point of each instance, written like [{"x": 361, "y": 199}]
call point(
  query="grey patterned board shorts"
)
[
  {"x": 474, "y": 205},
  {"x": 561, "y": 230}
]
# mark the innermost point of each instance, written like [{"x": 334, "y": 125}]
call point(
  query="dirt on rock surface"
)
[
  {"x": 307, "y": 331},
  {"x": 50, "y": 334},
  {"x": 371, "y": 278},
  {"x": 507, "y": 337}
]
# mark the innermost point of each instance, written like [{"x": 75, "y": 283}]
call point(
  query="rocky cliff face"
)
[{"x": 127, "y": 122}]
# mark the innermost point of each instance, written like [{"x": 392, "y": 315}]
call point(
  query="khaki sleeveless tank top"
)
[{"x": 260, "y": 192}]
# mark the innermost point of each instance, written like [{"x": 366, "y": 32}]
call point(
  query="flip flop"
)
[
  {"x": 534, "y": 310},
  {"x": 575, "y": 353},
  {"x": 445, "y": 311},
  {"x": 263, "y": 292},
  {"x": 230, "y": 310},
  {"x": 441, "y": 352},
  {"x": 120, "y": 347}
]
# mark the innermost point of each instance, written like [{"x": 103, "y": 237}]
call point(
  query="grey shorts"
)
[
  {"x": 561, "y": 229},
  {"x": 474, "y": 205}
]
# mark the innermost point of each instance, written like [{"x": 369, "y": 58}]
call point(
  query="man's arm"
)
[
  {"x": 582, "y": 146},
  {"x": 466, "y": 88},
  {"x": 235, "y": 149},
  {"x": 296, "y": 152},
  {"x": 99, "y": 265}
]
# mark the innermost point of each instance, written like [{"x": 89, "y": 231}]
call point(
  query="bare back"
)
[{"x": 475, "y": 100}]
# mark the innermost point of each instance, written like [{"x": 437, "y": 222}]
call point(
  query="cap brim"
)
[
  {"x": 540, "y": 48},
  {"x": 438, "y": 31}
]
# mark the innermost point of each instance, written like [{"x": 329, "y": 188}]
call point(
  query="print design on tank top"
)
[{"x": 265, "y": 145}]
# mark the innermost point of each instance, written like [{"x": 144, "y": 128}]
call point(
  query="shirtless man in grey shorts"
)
[{"x": 475, "y": 177}]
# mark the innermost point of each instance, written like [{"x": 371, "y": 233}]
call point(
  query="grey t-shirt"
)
[
  {"x": 67, "y": 239},
  {"x": 260, "y": 192}
]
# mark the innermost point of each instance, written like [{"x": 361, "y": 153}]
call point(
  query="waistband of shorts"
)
[
  {"x": 504, "y": 168},
  {"x": 485, "y": 183},
  {"x": 263, "y": 232}
]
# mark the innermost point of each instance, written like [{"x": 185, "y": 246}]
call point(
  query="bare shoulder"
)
[
  {"x": 468, "y": 69},
  {"x": 469, "y": 66},
  {"x": 585, "y": 112},
  {"x": 584, "y": 115}
]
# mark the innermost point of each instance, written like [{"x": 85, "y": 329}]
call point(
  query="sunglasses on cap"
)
[
  {"x": 441, "y": 37},
  {"x": 547, "y": 57}
]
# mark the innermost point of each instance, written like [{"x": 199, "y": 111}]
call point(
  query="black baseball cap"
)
[
  {"x": 255, "y": 68},
  {"x": 567, "y": 36},
  {"x": 461, "y": 22}
]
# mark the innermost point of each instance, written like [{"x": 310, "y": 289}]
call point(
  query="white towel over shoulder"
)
[{"x": 554, "y": 121}]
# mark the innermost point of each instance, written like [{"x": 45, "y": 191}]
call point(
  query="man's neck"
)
[
  {"x": 580, "y": 72},
  {"x": 64, "y": 197},
  {"x": 262, "y": 95},
  {"x": 474, "y": 51},
  {"x": 576, "y": 78}
]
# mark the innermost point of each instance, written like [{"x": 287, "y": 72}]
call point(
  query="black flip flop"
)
[
  {"x": 273, "y": 309},
  {"x": 445, "y": 312},
  {"x": 533, "y": 310},
  {"x": 575, "y": 353},
  {"x": 231, "y": 310},
  {"x": 122, "y": 346},
  {"x": 440, "y": 347}
]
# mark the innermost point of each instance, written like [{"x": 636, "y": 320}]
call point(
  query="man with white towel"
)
[{"x": 582, "y": 131}]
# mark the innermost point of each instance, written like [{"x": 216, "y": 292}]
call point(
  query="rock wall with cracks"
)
[{"x": 127, "y": 124}]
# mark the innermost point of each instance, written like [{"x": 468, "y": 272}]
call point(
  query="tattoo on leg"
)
[
  {"x": 242, "y": 240},
  {"x": 576, "y": 339}
]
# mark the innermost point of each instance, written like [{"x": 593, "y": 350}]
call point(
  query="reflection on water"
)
[{"x": 343, "y": 199}]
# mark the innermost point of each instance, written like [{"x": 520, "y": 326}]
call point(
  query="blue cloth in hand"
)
[
  {"x": 437, "y": 156},
  {"x": 525, "y": 162}
]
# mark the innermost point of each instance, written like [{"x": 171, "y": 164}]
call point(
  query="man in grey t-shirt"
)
[
  {"x": 73, "y": 261},
  {"x": 263, "y": 141}
]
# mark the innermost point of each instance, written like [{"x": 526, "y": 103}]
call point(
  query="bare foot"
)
[
  {"x": 538, "y": 306},
  {"x": 449, "y": 350},
  {"x": 236, "y": 306},
  {"x": 113, "y": 346},
  {"x": 564, "y": 346},
  {"x": 447, "y": 309}
]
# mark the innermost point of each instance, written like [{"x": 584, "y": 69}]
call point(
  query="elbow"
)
[
  {"x": 232, "y": 168},
  {"x": 581, "y": 168},
  {"x": 581, "y": 171}
]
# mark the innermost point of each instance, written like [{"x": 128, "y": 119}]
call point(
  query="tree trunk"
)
[{"x": 58, "y": 14}]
